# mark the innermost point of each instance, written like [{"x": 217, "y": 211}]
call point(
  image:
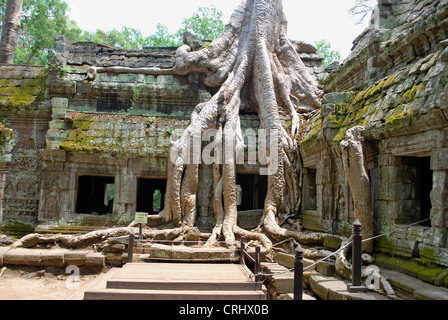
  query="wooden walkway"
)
[{"x": 177, "y": 281}]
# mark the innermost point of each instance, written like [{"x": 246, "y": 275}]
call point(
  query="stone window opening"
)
[
  {"x": 414, "y": 186},
  {"x": 150, "y": 195},
  {"x": 95, "y": 195},
  {"x": 251, "y": 191},
  {"x": 310, "y": 189}
]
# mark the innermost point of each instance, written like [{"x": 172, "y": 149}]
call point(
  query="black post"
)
[
  {"x": 131, "y": 248},
  {"x": 140, "y": 232},
  {"x": 298, "y": 274},
  {"x": 243, "y": 247},
  {"x": 257, "y": 263},
  {"x": 356, "y": 285}
]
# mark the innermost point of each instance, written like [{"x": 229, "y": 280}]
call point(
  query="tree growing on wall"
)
[
  {"x": 355, "y": 167},
  {"x": 10, "y": 31},
  {"x": 254, "y": 65}
]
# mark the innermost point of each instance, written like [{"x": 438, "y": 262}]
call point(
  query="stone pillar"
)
[{"x": 439, "y": 196}]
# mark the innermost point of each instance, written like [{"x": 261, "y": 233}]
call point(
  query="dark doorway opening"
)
[
  {"x": 415, "y": 188},
  {"x": 151, "y": 195},
  {"x": 251, "y": 191},
  {"x": 95, "y": 195}
]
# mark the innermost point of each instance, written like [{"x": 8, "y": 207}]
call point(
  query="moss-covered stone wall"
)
[{"x": 403, "y": 106}]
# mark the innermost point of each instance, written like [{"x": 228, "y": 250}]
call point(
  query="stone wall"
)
[
  {"x": 400, "y": 33},
  {"x": 25, "y": 112},
  {"x": 393, "y": 84}
]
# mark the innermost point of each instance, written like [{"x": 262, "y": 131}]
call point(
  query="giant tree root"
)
[
  {"x": 94, "y": 237},
  {"x": 255, "y": 67}
]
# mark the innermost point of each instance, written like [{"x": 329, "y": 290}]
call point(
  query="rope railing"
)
[
  {"x": 298, "y": 261},
  {"x": 365, "y": 240},
  {"x": 357, "y": 241}
]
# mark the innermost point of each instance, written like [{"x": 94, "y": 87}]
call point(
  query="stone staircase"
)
[{"x": 177, "y": 281}]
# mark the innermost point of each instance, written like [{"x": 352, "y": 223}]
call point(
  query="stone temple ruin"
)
[{"x": 80, "y": 154}]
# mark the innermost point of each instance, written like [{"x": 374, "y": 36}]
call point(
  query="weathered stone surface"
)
[
  {"x": 394, "y": 83},
  {"x": 326, "y": 268},
  {"x": 331, "y": 288},
  {"x": 3, "y": 251},
  {"x": 410, "y": 288},
  {"x": 54, "y": 258},
  {"x": 332, "y": 243},
  {"x": 24, "y": 257},
  {"x": 75, "y": 257},
  {"x": 95, "y": 259},
  {"x": 193, "y": 235}
]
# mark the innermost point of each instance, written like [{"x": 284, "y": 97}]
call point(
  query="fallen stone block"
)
[
  {"x": 95, "y": 259},
  {"x": 326, "y": 268},
  {"x": 287, "y": 260},
  {"x": 54, "y": 258},
  {"x": 75, "y": 258},
  {"x": 114, "y": 259},
  {"x": 23, "y": 257},
  {"x": 3, "y": 250}
]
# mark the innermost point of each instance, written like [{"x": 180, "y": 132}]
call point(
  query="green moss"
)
[
  {"x": 6, "y": 134},
  {"x": 22, "y": 95},
  {"x": 16, "y": 229},
  {"x": 389, "y": 81},
  {"x": 427, "y": 255},
  {"x": 405, "y": 266},
  {"x": 429, "y": 274},
  {"x": 311, "y": 135}
]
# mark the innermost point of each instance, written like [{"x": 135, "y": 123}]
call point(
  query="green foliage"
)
[
  {"x": 41, "y": 21},
  {"x": 205, "y": 24},
  {"x": 324, "y": 47}
]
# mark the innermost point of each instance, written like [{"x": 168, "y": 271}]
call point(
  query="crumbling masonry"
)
[{"x": 66, "y": 136}]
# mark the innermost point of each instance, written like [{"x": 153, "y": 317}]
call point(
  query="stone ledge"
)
[
  {"x": 50, "y": 258},
  {"x": 410, "y": 288},
  {"x": 333, "y": 288}
]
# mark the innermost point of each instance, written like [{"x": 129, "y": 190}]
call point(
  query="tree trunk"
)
[
  {"x": 255, "y": 65},
  {"x": 356, "y": 171},
  {"x": 10, "y": 32}
]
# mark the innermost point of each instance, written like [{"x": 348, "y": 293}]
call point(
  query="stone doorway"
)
[
  {"x": 150, "y": 195},
  {"x": 95, "y": 195},
  {"x": 251, "y": 191}
]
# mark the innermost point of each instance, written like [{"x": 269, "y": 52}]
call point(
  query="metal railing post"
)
[
  {"x": 356, "y": 285},
  {"x": 298, "y": 274},
  {"x": 257, "y": 263},
  {"x": 131, "y": 248},
  {"x": 243, "y": 247}
]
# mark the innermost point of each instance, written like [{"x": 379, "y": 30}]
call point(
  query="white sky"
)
[{"x": 308, "y": 20}]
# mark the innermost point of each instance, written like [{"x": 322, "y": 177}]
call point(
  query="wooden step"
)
[
  {"x": 129, "y": 294},
  {"x": 178, "y": 281},
  {"x": 182, "y": 285}
]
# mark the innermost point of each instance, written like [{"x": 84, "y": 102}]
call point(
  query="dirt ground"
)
[{"x": 27, "y": 283}]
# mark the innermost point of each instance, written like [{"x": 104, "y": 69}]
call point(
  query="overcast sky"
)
[{"x": 308, "y": 20}]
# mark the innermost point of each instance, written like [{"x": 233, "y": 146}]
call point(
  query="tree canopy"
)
[
  {"x": 42, "y": 20},
  {"x": 330, "y": 55}
]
